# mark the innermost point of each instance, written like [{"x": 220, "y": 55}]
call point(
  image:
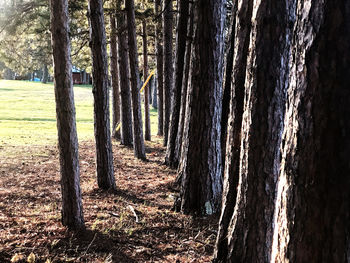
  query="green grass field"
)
[{"x": 28, "y": 114}]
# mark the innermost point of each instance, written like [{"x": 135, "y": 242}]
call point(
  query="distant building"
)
[{"x": 80, "y": 76}]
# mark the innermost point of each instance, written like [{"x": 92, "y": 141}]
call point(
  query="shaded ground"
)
[{"x": 30, "y": 211}]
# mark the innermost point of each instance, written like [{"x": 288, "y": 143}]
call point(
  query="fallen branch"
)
[{"x": 133, "y": 211}]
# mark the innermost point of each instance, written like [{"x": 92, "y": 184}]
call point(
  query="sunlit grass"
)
[{"x": 28, "y": 113}]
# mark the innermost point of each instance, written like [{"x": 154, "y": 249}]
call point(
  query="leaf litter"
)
[{"x": 133, "y": 224}]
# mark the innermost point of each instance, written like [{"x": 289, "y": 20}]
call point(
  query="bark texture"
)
[
  {"x": 250, "y": 239},
  {"x": 104, "y": 155},
  {"x": 201, "y": 163},
  {"x": 72, "y": 210},
  {"x": 179, "y": 70},
  {"x": 168, "y": 69},
  {"x": 124, "y": 83},
  {"x": 228, "y": 80},
  {"x": 139, "y": 147},
  {"x": 159, "y": 50},
  {"x": 312, "y": 215},
  {"x": 231, "y": 169},
  {"x": 114, "y": 76},
  {"x": 145, "y": 76},
  {"x": 180, "y": 130}
]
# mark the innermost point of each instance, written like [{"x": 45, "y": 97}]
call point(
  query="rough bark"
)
[
  {"x": 312, "y": 216},
  {"x": 159, "y": 50},
  {"x": 168, "y": 69},
  {"x": 104, "y": 155},
  {"x": 114, "y": 76},
  {"x": 180, "y": 130},
  {"x": 250, "y": 238},
  {"x": 139, "y": 147},
  {"x": 179, "y": 70},
  {"x": 201, "y": 163},
  {"x": 231, "y": 169},
  {"x": 145, "y": 76},
  {"x": 228, "y": 81},
  {"x": 72, "y": 210},
  {"x": 124, "y": 84}
]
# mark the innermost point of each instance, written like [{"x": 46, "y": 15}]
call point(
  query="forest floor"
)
[{"x": 30, "y": 202}]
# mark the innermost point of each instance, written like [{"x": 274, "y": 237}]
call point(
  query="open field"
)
[{"x": 28, "y": 115}]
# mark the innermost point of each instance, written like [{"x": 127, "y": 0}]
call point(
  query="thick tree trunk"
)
[
  {"x": 312, "y": 216},
  {"x": 228, "y": 81},
  {"x": 145, "y": 76},
  {"x": 231, "y": 169},
  {"x": 168, "y": 69},
  {"x": 139, "y": 147},
  {"x": 180, "y": 130},
  {"x": 114, "y": 75},
  {"x": 159, "y": 50},
  {"x": 104, "y": 155},
  {"x": 250, "y": 238},
  {"x": 179, "y": 70},
  {"x": 72, "y": 210},
  {"x": 201, "y": 162},
  {"x": 124, "y": 83}
]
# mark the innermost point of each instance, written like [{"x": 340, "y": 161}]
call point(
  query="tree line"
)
[{"x": 253, "y": 108}]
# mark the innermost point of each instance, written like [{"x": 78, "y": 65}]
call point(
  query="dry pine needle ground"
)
[{"x": 30, "y": 228}]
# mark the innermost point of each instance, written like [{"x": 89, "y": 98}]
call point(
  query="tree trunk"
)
[
  {"x": 45, "y": 74},
  {"x": 114, "y": 74},
  {"x": 139, "y": 147},
  {"x": 154, "y": 92},
  {"x": 159, "y": 50},
  {"x": 167, "y": 63},
  {"x": 250, "y": 238},
  {"x": 180, "y": 130},
  {"x": 312, "y": 205},
  {"x": 124, "y": 84},
  {"x": 145, "y": 76},
  {"x": 231, "y": 169},
  {"x": 179, "y": 69},
  {"x": 228, "y": 81},
  {"x": 201, "y": 161},
  {"x": 104, "y": 155},
  {"x": 72, "y": 210}
]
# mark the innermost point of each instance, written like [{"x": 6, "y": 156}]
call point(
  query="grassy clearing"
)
[{"x": 28, "y": 115}]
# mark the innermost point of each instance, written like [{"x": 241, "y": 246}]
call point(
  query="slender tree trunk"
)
[
  {"x": 228, "y": 81},
  {"x": 179, "y": 70},
  {"x": 154, "y": 92},
  {"x": 231, "y": 169},
  {"x": 114, "y": 74},
  {"x": 201, "y": 161},
  {"x": 180, "y": 130},
  {"x": 124, "y": 83},
  {"x": 139, "y": 147},
  {"x": 159, "y": 50},
  {"x": 168, "y": 69},
  {"x": 145, "y": 76},
  {"x": 312, "y": 205},
  {"x": 45, "y": 74},
  {"x": 104, "y": 155},
  {"x": 72, "y": 209}
]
